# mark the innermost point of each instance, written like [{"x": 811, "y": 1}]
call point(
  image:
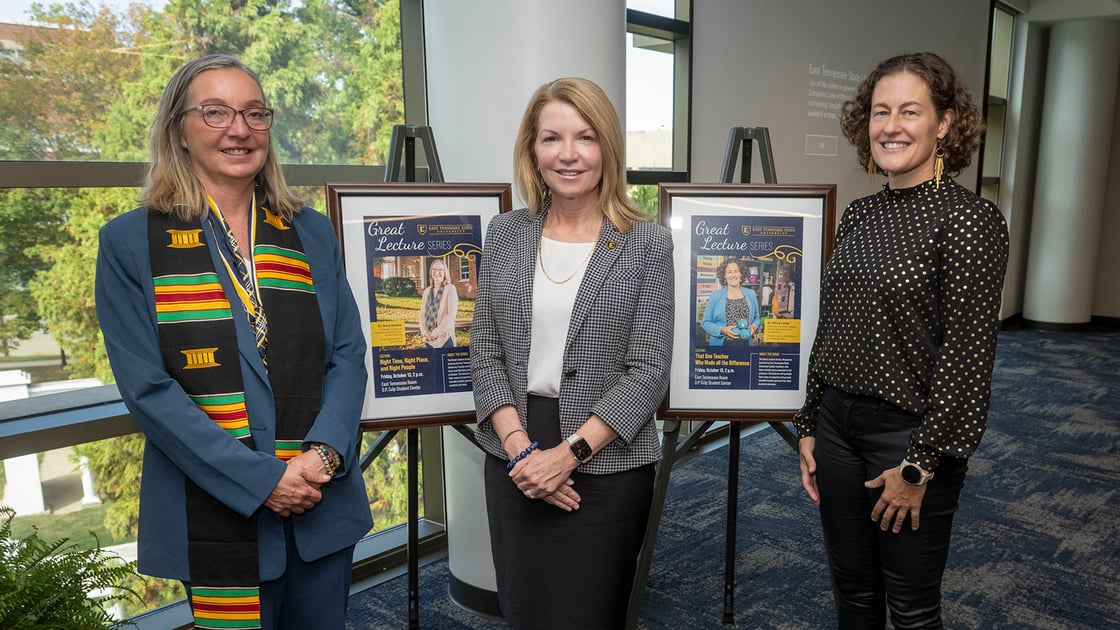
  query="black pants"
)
[{"x": 858, "y": 437}]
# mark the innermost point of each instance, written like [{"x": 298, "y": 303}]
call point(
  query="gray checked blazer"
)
[{"x": 618, "y": 346}]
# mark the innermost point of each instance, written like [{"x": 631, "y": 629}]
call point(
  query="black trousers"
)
[{"x": 858, "y": 437}]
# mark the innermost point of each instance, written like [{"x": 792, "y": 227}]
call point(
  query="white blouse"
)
[{"x": 554, "y": 295}]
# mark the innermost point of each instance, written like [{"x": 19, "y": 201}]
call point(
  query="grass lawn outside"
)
[
  {"x": 408, "y": 308},
  {"x": 77, "y": 526}
]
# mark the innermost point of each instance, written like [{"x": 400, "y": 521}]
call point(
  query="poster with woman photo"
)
[
  {"x": 744, "y": 303},
  {"x": 748, "y": 261},
  {"x": 411, "y": 253},
  {"x": 421, "y": 286}
]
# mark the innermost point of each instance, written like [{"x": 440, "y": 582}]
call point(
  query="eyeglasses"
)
[{"x": 222, "y": 116}]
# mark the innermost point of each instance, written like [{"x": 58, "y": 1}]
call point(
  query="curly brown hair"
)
[
  {"x": 947, "y": 93},
  {"x": 721, "y": 270}
]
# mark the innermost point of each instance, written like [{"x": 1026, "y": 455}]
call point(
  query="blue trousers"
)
[
  {"x": 873, "y": 572},
  {"x": 309, "y": 594}
]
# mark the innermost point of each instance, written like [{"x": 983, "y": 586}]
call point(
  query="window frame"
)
[{"x": 679, "y": 32}]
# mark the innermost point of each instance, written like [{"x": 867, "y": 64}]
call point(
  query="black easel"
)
[
  {"x": 740, "y": 138},
  {"x": 743, "y": 137},
  {"x": 403, "y": 140}
]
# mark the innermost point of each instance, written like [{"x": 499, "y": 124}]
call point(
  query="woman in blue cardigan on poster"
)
[{"x": 729, "y": 306}]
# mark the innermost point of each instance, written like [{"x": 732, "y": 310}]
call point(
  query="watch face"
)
[
  {"x": 581, "y": 450},
  {"x": 911, "y": 474}
]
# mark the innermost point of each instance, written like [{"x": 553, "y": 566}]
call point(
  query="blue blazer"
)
[
  {"x": 617, "y": 349},
  {"x": 182, "y": 442},
  {"x": 715, "y": 314}
]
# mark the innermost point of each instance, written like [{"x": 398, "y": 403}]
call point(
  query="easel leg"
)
[
  {"x": 781, "y": 429},
  {"x": 733, "y": 433},
  {"x": 413, "y": 535},
  {"x": 670, "y": 431}
]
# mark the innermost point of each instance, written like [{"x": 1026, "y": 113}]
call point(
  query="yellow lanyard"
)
[{"x": 250, "y": 302}]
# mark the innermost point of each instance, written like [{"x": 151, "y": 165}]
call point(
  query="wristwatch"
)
[
  {"x": 581, "y": 450},
  {"x": 913, "y": 474}
]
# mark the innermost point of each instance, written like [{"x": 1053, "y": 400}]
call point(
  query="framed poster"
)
[
  {"x": 411, "y": 253},
  {"x": 748, "y": 259}
]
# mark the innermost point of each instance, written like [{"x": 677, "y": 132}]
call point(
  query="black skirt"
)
[{"x": 558, "y": 569}]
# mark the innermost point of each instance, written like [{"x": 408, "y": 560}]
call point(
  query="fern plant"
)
[{"x": 45, "y": 585}]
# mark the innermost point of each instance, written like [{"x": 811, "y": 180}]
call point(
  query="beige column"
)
[
  {"x": 1079, "y": 107},
  {"x": 483, "y": 60}
]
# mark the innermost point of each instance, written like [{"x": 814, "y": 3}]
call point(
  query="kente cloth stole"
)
[
  {"x": 242, "y": 272},
  {"x": 198, "y": 342}
]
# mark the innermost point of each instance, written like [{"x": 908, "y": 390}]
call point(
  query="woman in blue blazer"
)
[
  {"x": 728, "y": 305},
  {"x": 570, "y": 351},
  {"x": 238, "y": 350}
]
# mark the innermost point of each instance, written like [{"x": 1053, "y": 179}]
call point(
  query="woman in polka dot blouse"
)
[{"x": 900, "y": 372}]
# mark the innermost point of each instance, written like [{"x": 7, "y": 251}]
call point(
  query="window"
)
[
  {"x": 657, "y": 83},
  {"x": 464, "y": 269},
  {"x": 663, "y": 8},
  {"x": 999, "y": 76},
  {"x": 88, "y": 84},
  {"x": 79, "y": 94}
]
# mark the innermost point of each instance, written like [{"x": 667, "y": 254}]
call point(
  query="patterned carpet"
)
[{"x": 1036, "y": 542}]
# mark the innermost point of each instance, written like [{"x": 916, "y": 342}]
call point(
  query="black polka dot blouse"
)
[{"x": 910, "y": 311}]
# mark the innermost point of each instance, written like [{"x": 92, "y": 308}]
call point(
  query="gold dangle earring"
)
[
  {"x": 938, "y": 167},
  {"x": 870, "y": 171}
]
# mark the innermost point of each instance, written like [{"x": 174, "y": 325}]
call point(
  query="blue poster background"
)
[
  {"x": 769, "y": 249},
  {"x": 401, "y": 249}
]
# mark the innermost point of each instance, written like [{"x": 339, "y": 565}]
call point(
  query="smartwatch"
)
[
  {"x": 581, "y": 450},
  {"x": 913, "y": 474}
]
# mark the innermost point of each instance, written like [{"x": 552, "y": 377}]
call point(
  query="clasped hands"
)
[
  {"x": 298, "y": 490},
  {"x": 546, "y": 475}
]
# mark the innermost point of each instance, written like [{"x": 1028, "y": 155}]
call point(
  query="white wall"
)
[
  {"x": 751, "y": 68},
  {"x": 1020, "y": 151},
  {"x": 752, "y": 64}
]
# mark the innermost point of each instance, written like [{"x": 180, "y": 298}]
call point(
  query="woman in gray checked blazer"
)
[{"x": 570, "y": 349}]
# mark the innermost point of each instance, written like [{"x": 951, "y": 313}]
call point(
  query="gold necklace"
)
[{"x": 540, "y": 261}]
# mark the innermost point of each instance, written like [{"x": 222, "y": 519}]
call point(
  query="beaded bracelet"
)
[
  {"x": 522, "y": 455},
  {"x": 328, "y": 461}
]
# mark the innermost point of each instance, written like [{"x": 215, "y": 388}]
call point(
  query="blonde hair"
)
[
  {"x": 446, "y": 271},
  {"x": 593, "y": 105},
  {"x": 170, "y": 184}
]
